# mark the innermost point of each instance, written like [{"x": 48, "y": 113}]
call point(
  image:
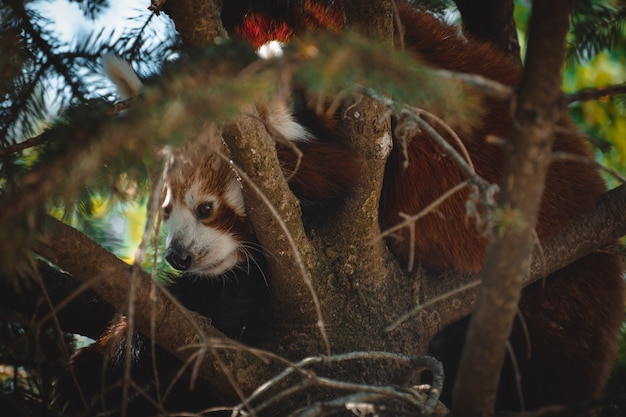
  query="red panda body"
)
[{"x": 572, "y": 319}]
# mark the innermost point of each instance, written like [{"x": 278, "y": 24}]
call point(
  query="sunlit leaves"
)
[{"x": 603, "y": 119}]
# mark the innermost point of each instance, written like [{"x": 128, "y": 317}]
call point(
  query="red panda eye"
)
[
  {"x": 167, "y": 210},
  {"x": 204, "y": 210}
]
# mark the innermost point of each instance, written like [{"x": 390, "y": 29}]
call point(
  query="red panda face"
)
[
  {"x": 207, "y": 227},
  {"x": 208, "y": 230}
]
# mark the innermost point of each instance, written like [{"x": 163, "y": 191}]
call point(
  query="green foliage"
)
[
  {"x": 338, "y": 66},
  {"x": 596, "y": 25},
  {"x": 604, "y": 119},
  {"x": 44, "y": 74}
]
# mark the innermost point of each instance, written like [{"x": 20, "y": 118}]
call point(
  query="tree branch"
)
[
  {"x": 587, "y": 94},
  {"x": 198, "y": 22},
  {"x": 18, "y": 147},
  {"x": 275, "y": 213},
  {"x": 79, "y": 255},
  {"x": 508, "y": 256},
  {"x": 491, "y": 21},
  {"x": 78, "y": 309},
  {"x": 178, "y": 328},
  {"x": 453, "y": 295}
]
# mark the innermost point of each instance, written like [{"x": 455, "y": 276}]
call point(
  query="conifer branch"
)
[
  {"x": 18, "y": 147},
  {"x": 44, "y": 46}
]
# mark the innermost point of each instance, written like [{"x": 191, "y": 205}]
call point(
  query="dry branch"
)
[{"x": 597, "y": 231}]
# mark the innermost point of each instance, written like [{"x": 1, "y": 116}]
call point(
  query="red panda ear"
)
[
  {"x": 323, "y": 15},
  {"x": 265, "y": 22},
  {"x": 259, "y": 29}
]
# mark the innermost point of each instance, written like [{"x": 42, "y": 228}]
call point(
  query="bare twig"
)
[
  {"x": 564, "y": 156},
  {"x": 415, "y": 115},
  {"x": 427, "y": 210},
  {"x": 311, "y": 379},
  {"x": 490, "y": 87},
  {"x": 18, "y": 147},
  {"x": 605, "y": 223},
  {"x": 587, "y": 94},
  {"x": 432, "y": 301}
]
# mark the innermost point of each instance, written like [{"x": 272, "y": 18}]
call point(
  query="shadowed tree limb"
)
[
  {"x": 178, "y": 328},
  {"x": 538, "y": 108},
  {"x": 79, "y": 311},
  {"x": 342, "y": 312},
  {"x": 491, "y": 21},
  {"x": 275, "y": 213}
]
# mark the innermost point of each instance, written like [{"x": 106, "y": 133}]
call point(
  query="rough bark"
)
[
  {"x": 275, "y": 213},
  {"x": 372, "y": 19},
  {"x": 89, "y": 314},
  {"x": 197, "y": 22},
  {"x": 538, "y": 108},
  {"x": 349, "y": 269}
]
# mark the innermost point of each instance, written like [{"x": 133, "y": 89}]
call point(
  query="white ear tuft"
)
[
  {"x": 123, "y": 76},
  {"x": 271, "y": 49}
]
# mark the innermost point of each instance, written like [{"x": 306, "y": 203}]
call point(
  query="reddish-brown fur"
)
[
  {"x": 573, "y": 319},
  {"x": 265, "y": 21},
  {"x": 324, "y": 173}
]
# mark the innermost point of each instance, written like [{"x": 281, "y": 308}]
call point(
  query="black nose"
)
[{"x": 177, "y": 257}]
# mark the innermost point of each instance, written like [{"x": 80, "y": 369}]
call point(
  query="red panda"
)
[{"x": 572, "y": 319}]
